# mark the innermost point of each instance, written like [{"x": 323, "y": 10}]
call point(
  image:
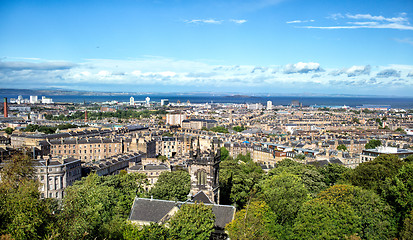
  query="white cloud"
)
[
  {"x": 377, "y": 18},
  {"x": 165, "y": 73},
  {"x": 357, "y": 71},
  {"x": 238, "y": 21},
  {"x": 208, "y": 21},
  {"x": 382, "y": 26},
  {"x": 300, "y": 21},
  {"x": 302, "y": 68},
  {"x": 387, "y": 73},
  {"x": 370, "y": 21}
]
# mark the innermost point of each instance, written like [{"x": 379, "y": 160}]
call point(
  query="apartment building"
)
[{"x": 56, "y": 174}]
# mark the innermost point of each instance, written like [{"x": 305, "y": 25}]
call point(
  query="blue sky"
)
[{"x": 261, "y": 46}]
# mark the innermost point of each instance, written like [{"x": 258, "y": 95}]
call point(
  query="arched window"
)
[{"x": 201, "y": 177}]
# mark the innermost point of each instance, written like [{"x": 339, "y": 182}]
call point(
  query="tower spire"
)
[
  {"x": 191, "y": 149},
  {"x": 198, "y": 149}
]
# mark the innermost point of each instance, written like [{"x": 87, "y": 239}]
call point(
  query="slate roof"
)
[
  {"x": 150, "y": 210},
  {"x": 201, "y": 197},
  {"x": 153, "y": 210}
]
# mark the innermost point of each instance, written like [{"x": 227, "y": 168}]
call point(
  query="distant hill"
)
[{"x": 56, "y": 92}]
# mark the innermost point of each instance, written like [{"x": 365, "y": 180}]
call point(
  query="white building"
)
[
  {"x": 56, "y": 174},
  {"x": 255, "y": 106},
  {"x": 147, "y": 100},
  {"x": 269, "y": 105},
  {"x": 132, "y": 101},
  {"x": 175, "y": 118},
  {"x": 33, "y": 99},
  {"x": 46, "y": 100},
  {"x": 164, "y": 102}
]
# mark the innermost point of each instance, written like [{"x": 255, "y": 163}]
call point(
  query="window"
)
[{"x": 201, "y": 177}]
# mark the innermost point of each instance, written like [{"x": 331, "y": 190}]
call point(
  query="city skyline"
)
[{"x": 217, "y": 46}]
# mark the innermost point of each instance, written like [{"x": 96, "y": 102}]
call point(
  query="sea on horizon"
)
[{"x": 404, "y": 102}]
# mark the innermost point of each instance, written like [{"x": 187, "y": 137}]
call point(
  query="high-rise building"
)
[
  {"x": 269, "y": 105},
  {"x": 164, "y": 102},
  {"x": 147, "y": 100},
  {"x": 175, "y": 118},
  {"x": 132, "y": 101},
  {"x": 46, "y": 100},
  {"x": 33, "y": 99}
]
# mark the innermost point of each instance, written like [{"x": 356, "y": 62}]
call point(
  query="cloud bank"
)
[
  {"x": 163, "y": 74},
  {"x": 358, "y": 21}
]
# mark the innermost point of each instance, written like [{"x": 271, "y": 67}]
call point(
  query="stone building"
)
[
  {"x": 88, "y": 149},
  {"x": 204, "y": 171},
  {"x": 56, "y": 174},
  {"x": 198, "y": 124}
]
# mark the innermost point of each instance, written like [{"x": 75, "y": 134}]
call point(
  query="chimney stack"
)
[{"x": 5, "y": 108}]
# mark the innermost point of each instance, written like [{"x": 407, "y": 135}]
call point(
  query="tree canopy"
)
[
  {"x": 372, "y": 144},
  {"x": 237, "y": 179},
  {"x": 192, "y": 221},
  {"x": 172, "y": 186},
  {"x": 253, "y": 222}
]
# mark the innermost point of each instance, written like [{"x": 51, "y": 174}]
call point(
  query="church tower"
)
[{"x": 204, "y": 171}]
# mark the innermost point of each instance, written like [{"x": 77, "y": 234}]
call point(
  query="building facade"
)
[{"x": 56, "y": 174}]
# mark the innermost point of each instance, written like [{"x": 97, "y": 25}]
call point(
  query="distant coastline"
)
[
  {"x": 90, "y": 97},
  {"x": 65, "y": 92}
]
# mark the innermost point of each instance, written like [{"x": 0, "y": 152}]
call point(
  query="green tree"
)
[
  {"x": 153, "y": 231},
  {"x": 375, "y": 215},
  {"x": 224, "y": 154},
  {"x": 23, "y": 215},
  {"x": 372, "y": 144},
  {"x": 219, "y": 129},
  {"x": 400, "y": 130},
  {"x": 285, "y": 193},
  {"x": 239, "y": 128},
  {"x": 342, "y": 147},
  {"x": 162, "y": 158},
  {"x": 9, "y": 130},
  {"x": 255, "y": 221},
  {"x": 332, "y": 173},
  {"x": 397, "y": 190},
  {"x": 299, "y": 156},
  {"x": 309, "y": 175},
  {"x": 318, "y": 220},
  {"x": 407, "y": 232},
  {"x": 409, "y": 159},
  {"x": 172, "y": 186},
  {"x": 372, "y": 174},
  {"x": 238, "y": 178},
  {"x": 192, "y": 221},
  {"x": 355, "y": 120},
  {"x": 96, "y": 207}
]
